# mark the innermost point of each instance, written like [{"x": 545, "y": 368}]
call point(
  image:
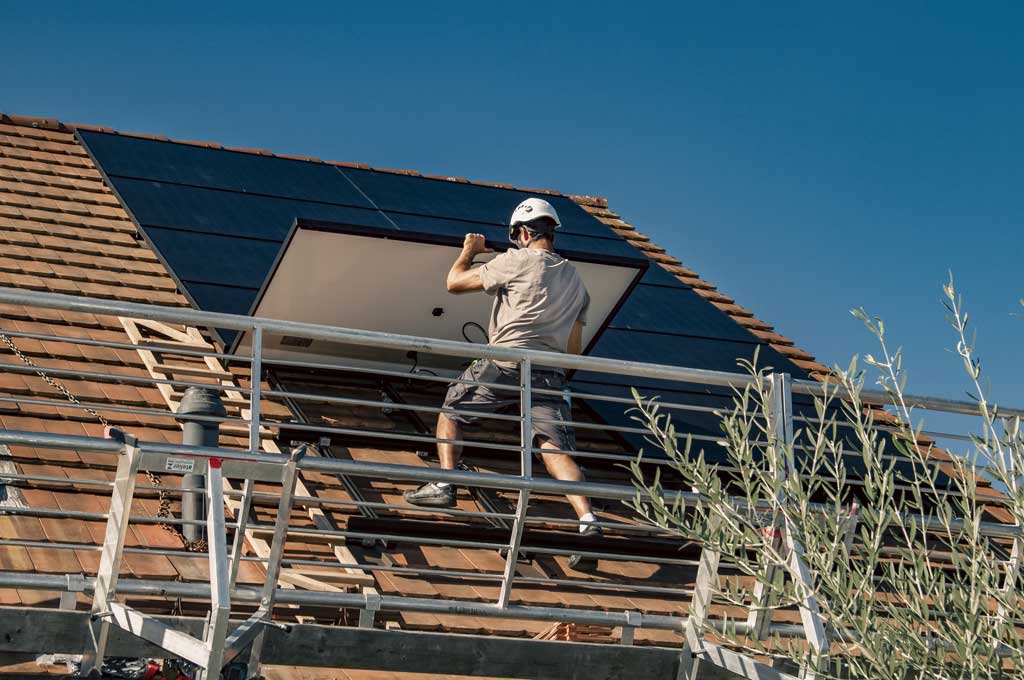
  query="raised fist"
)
[{"x": 475, "y": 244}]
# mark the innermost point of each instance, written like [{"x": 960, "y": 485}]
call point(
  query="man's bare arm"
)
[
  {"x": 576, "y": 339},
  {"x": 462, "y": 278}
]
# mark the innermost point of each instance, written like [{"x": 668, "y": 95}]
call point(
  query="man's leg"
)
[
  {"x": 561, "y": 466},
  {"x": 441, "y": 494},
  {"x": 450, "y": 454}
]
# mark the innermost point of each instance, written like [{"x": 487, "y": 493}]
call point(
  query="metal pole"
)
[
  {"x": 192, "y": 317},
  {"x": 358, "y": 468},
  {"x": 241, "y": 520},
  {"x": 255, "y": 377},
  {"x": 810, "y": 615},
  {"x": 266, "y": 608},
  {"x": 113, "y": 549},
  {"x": 197, "y": 402},
  {"x": 522, "y": 506},
  {"x": 220, "y": 594},
  {"x": 782, "y": 435},
  {"x": 700, "y": 609}
]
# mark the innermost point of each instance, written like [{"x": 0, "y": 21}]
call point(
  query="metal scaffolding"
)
[{"x": 218, "y": 640}]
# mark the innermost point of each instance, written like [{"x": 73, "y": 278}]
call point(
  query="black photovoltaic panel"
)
[
  {"x": 698, "y": 424},
  {"x": 177, "y": 163},
  {"x": 212, "y": 258},
  {"x": 461, "y": 201},
  {"x": 234, "y": 214},
  {"x": 657, "y": 276},
  {"x": 677, "y": 310},
  {"x": 123, "y": 156},
  {"x": 686, "y": 422},
  {"x": 250, "y": 202},
  {"x": 674, "y": 350},
  {"x": 498, "y": 236},
  {"x": 219, "y": 298}
]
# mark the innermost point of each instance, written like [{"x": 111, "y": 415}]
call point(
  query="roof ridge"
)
[{"x": 54, "y": 124}]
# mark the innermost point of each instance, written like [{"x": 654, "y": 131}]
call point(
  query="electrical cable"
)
[
  {"x": 415, "y": 370},
  {"x": 469, "y": 339}
]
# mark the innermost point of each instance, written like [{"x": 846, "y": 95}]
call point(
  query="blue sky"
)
[{"x": 805, "y": 158}]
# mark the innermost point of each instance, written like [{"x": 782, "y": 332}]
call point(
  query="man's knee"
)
[
  {"x": 561, "y": 465},
  {"x": 445, "y": 423}
]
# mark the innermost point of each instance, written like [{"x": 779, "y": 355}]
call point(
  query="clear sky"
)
[{"x": 804, "y": 158}]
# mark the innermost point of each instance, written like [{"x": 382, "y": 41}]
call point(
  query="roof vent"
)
[{"x": 293, "y": 341}]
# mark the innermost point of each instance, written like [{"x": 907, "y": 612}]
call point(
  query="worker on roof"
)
[{"x": 540, "y": 303}]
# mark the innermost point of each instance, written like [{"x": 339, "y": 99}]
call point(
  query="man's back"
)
[{"x": 539, "y": 296}]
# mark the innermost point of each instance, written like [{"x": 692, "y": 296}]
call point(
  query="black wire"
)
[
  {"x": 415, "y": 366},
  {"x": 466, "y": 336}
]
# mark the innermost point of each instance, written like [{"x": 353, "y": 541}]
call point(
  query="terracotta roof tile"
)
[
  {"x": 65, "y": 231},
  {"x": 713, "y": 295}
]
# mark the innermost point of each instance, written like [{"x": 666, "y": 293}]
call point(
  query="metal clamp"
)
[
  {"x": 367, "y": 614},
  {"x": 634, "y": 620},
  {"x": 75, "y": 583}
]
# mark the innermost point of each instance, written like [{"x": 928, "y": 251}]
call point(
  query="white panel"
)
[{"x": 383, "y": 284}]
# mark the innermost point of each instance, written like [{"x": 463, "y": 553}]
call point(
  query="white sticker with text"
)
[{"x": 180, "y": 465}]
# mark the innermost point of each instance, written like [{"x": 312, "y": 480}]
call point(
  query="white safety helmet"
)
[{"x": 529, "y": 210}]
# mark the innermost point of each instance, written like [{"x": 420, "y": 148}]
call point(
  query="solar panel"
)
[
  {"x": 157, "y": 204},
  {"x": 328, "y": 275},
  {"x": 212, "y": 258},
  {"x": 132, "y": 157},
  {"x": 698, "y": 425},
  {"x": 498, "y": 236},
  {"x": 675, "y": 350},
  {"x": 681, "y": 311},
  {"x": 393, "y": 192},
  {"x": 657, "y": 276},
  {"x": 226, "y": 299}
]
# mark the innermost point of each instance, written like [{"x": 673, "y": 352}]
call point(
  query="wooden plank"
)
[
  {"x": 235, "y": 398},
  {"x": 176, "y": 398},
  {"x": 149, "y": 359},
  {"x": 323, "y": 522},
  {"x": 335, "y": 576},
  {"x": 176, "y": 369},
  {"x": 308, "y": 582},
  {"x": 51, "y": 631},
  {"x": 187, "y": 336}
]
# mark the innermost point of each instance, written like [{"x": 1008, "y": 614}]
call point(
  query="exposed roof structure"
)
[{"x": 64, "y": 229}]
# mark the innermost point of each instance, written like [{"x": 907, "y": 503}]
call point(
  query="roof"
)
[
  {"x": 63, "y": 229},
  {"x": 594, "y": 205}
]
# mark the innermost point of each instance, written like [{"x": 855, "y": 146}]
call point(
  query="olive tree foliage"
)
[{"x": 907, "y": 582}]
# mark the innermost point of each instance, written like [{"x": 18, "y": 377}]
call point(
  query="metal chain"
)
[{"x": 164, "y": 509}]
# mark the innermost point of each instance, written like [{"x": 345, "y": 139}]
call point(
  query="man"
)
[{"x": 539, "y": 303}]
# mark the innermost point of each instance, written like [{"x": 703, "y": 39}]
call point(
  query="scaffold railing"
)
[{"x": 223, "y": 639}]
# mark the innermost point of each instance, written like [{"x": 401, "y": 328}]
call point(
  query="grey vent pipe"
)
[{"x": 198, "y": 401}]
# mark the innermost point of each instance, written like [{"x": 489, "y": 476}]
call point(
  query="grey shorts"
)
[{"x": 548, "y": 412}]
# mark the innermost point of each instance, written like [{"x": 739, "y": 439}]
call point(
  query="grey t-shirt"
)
[{"x": 538, "y": 296}]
